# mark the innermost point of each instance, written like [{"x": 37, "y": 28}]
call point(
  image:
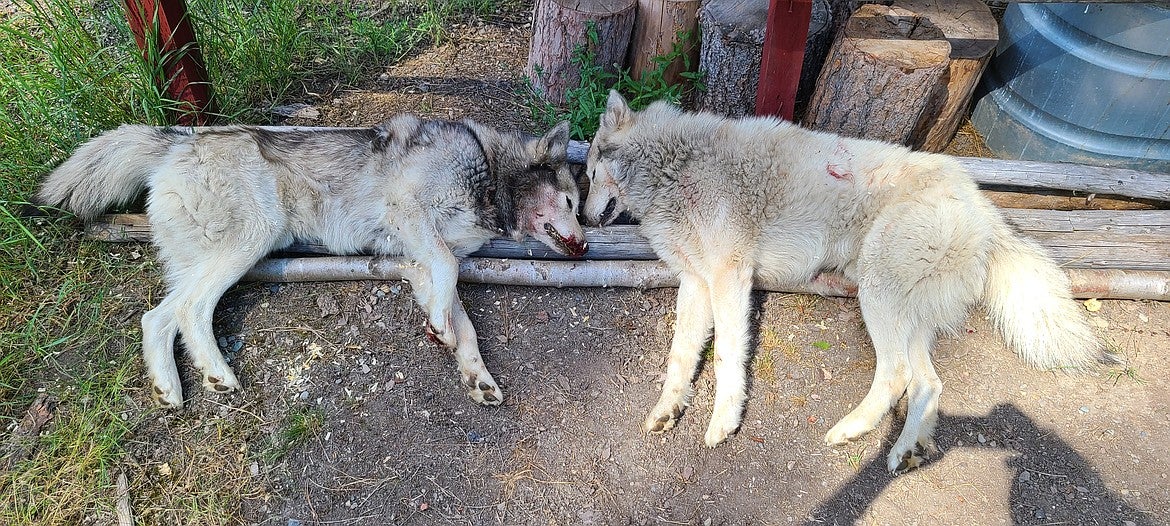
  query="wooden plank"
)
[
  {"x": 1100, "y": 239},
  {"x": 1065, "y": 176},
  {"x": 784, "y": 39}
]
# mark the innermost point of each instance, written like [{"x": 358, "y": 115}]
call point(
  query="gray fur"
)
[
  {"x": 222, "y": 198},
  {"x": 725, "y": 200}
]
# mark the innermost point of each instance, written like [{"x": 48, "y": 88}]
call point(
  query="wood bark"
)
[
  {"x": 886, "y": 70},
  {"x": 560, "y": 26},
  {"x": 1131, "y": 239},
  {"x": 973, "y": 33},
  {"x": 657, "y": 27},
  {"x": 732, "y": 46},
  {"x": 1118, "y": 284}
]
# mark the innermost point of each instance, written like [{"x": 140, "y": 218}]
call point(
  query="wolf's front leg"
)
[
  {"x": 434, "y": 279},
  {"x": 481, "y": 386},
  {"x": 731, "y": 289},
  {"x": 692, "y": 328}
]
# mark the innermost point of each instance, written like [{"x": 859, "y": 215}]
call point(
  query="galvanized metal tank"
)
[{"x": 1082, "y": 83}]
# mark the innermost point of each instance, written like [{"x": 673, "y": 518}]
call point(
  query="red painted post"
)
[
  {"x": 784, "y": 40},
  {"x": 186, "y": 76}
]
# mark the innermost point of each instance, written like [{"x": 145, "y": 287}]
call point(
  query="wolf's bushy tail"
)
[
  {"x": 107, "y": 171},
  {"x": 1028, "y": 298}
]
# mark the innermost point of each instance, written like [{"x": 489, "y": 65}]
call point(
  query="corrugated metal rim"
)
[
  {"x": 1088, "y": 140},
  {"x": 1093, "y": 50}
]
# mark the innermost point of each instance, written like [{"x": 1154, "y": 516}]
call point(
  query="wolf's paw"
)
[
  {"x": 483, "y": 389},
  {"x": 717, "y": 433},
  {"x": 847, "y": 430},
  {"x": 905, "y": 456},
  {"x": 662, "y": 419},
  {"x": 724, "y": 422},
  {"x": 899, "y": 462},
  {"x": 220, "y": 381},
  {"x": 167, "y": 396}
]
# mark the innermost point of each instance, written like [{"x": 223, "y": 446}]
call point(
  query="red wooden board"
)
[
  {"x": 784, "y": 41},
  {"x": 186, "y": 76}
]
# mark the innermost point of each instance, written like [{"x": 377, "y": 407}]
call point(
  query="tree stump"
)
[
  {"x": 560, "y": 26},
  {"x": 884, "y": 77},
  {"x": 732, "y": 43},
  {"x": 656, "y": 31},
  {"x": 973, "y": 34}
]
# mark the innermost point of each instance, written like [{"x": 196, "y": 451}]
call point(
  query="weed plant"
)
[{"x": 586, "y": 102}]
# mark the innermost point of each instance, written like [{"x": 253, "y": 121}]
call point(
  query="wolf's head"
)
[
  {"x": 543, "y": 195},
  {"x": 606, "y": 198}
]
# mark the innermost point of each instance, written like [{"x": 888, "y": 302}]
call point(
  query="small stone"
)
[
  {"x": 254, "y": 469},
  {"x": 294, "y": 522},
  {"x": 1085, "y": 409},
  {"x": 688, "y": 472},
  {"x": 1025, "y": 476},
  {"x": 982, "y": 439}
]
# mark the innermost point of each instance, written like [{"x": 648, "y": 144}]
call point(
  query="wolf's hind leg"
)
[
  {"x": 210, "y": 279},
  {"x": 481, "y": 387},
  {"x": 692, "y": 328},
  {"x": 731, "y": 290},
  {"x": 159, "y": 328},
  {"x": 891, "y": 340},
  {"x": 922, "y": 407}
]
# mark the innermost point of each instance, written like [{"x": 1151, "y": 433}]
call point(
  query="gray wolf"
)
[
  {"x": 722, "y": 201},
  {"x": 220, "y": 199}
]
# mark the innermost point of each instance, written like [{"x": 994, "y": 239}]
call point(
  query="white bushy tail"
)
[
  {"x": 107, "y": 171},
  {"x": 1028, "y": 298}
]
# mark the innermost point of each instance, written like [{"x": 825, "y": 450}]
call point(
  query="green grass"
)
[
  {"x": 71, "y": 307},
  {"x": 299, "y": 427}
]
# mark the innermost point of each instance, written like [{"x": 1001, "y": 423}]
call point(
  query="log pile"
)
[{"x": 904, "y": 73}]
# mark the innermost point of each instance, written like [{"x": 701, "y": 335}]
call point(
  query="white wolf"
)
[
  {"x": 722, "y": 201},
  {"x": 220, "y": 200}
]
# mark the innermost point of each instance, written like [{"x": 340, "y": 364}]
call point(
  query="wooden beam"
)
[
  {"x": 1132, "y": 239},
  {"x": 162, "y": 29},
  {"x": 784, "y": 42}
]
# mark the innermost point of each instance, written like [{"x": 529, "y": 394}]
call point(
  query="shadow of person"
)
[{"x": 1051, "y": 482}]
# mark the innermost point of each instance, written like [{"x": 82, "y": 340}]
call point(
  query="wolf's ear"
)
[
  {"x": 550, "y": 149},
  {"x": 617, "y": 112}
]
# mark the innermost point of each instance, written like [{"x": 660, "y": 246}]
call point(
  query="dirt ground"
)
[{"x": 392, "y": 438}]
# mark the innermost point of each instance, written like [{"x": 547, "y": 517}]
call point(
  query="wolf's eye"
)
[{"x": 569, "y": 201}]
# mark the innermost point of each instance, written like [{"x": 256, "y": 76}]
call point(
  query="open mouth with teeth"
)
[
  {"x": 569, "y": 246},
  {"x": 607, "y": 214}
]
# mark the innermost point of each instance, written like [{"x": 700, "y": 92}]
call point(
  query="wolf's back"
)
[{"x": 107, "y": 171}]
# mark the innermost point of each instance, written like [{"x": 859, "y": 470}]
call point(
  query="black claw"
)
[
  {"x": 489, "y": 397},
  {"x": 213, "y": 379},
  {"x": 484, "y": 386},
  {"x": 657, "y": 427},
  {"x": 157, "y": 391},
  {"x": 221, "y": 388}
]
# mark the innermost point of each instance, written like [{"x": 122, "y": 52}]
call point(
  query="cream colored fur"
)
[{"x": 723, "y": 201}]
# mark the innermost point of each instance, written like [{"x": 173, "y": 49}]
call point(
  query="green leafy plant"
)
[{"x": 586, "y": 102}]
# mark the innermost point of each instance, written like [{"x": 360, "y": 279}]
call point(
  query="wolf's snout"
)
[{"x": 570, "y": 245}]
